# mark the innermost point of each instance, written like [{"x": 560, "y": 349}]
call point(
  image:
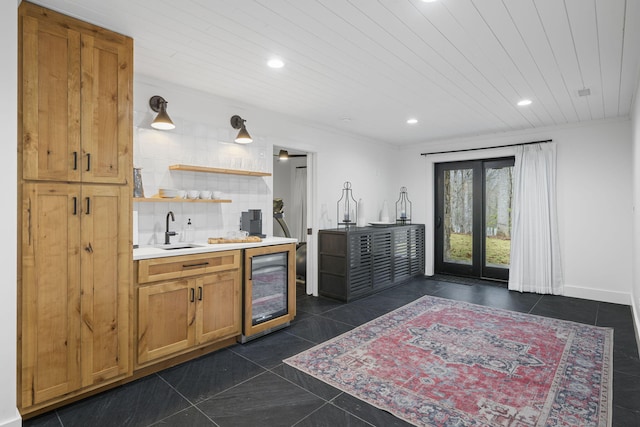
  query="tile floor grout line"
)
[
  {"x": 535, "y": 305},
  {"x": 193, "y": 405},
  {"x": 234, "y": 386}
]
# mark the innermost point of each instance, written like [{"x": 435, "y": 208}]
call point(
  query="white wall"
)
[
  {"x": 635, "y": 118},
  {"x": 594, "y": 199},
  {"x": 201, "y": 137},
  {"x": 9, "y": 415}
]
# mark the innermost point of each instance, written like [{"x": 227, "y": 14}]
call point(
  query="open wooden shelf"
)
[
  {"x": 157, "y": 198},
  {"x": 191, "y": 168}
]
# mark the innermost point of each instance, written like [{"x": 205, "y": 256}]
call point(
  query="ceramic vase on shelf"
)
[{"x": 138, "y": 190}]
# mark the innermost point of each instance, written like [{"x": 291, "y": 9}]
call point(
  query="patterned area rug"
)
[{"x": 437, "y": 362}]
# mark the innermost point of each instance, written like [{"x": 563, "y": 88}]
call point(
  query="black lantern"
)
[
  {"x": 403, "y": 208},
  {"x": 347, "y": 207}
]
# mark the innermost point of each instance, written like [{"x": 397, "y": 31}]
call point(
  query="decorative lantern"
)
[
  {"x": 403, "y": 208},
  {"x": 347, "y": 207}
]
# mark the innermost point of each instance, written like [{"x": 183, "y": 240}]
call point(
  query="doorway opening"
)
[
  {"x": 290, "y": 203},
  {"x": 473, "y": 218}
]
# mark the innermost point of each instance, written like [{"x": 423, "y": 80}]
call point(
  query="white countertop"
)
[{"x": 147, "y": 252}]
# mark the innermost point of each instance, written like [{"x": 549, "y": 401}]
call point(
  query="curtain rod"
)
[{"x": 487, "y": 148}]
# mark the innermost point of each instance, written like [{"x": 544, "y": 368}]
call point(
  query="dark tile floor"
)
[{"x": 248, "y": 385}]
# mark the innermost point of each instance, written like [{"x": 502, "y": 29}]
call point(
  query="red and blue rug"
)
[{"x": 438, "y": 362}]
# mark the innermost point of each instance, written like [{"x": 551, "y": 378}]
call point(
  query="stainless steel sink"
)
[{"x": 178, "y": 246}]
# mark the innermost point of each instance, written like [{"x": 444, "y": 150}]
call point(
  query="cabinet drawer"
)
[{"x": 152, "y": 270}]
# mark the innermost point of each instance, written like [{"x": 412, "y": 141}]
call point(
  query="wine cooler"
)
[{"x": 269, "y": 289}]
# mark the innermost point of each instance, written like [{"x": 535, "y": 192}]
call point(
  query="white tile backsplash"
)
[{"x": 198, "y": 144}]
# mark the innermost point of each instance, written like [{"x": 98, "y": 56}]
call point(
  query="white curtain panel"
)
[
  {"x": 299, "y": 205},
  {"x": 535, "y": 253}
]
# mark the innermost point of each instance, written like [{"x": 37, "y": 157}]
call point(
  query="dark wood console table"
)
[{"x": 357, "y": 261}]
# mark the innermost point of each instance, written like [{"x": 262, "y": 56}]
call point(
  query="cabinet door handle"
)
[
  {"x": 29, "y": 220},
  {"x": 199, "y": 293},
  {"x": 192, "y": 291},
  {"x": 200, "y": 264},
  {"x": 75, "y": 205},
  {"x": 88, "y": 205},
  {"x": 75, "y": 160},
  {"x": 88, "y": 162}
]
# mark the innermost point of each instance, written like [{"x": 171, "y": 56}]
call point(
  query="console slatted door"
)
[
  {"x": 403, "y": 238},
  {"x": 416, "y": 251},
  {"x": 382, "y": 259},
  {"x": 360, "y": 263}
]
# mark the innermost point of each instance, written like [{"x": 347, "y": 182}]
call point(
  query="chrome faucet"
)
[{"x": 168, "y": 234}]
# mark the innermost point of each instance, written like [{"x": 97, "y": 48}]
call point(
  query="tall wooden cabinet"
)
[{"x": 75, "y": 251}]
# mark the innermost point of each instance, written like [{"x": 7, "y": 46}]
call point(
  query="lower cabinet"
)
[
  {"x": 359, "y": 261},
  {"x": 201, "y": 305}
]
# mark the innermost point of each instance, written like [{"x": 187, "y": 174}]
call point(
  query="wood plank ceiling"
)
[{"x": 366, "y": 66}]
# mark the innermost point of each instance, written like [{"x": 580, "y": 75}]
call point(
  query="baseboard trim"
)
[
  {"x": 636, "y": 321},
  {"x": 603, "y": 295},
  {"x": 15, "y": 421}
]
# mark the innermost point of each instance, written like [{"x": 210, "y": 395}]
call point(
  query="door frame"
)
[
  {"x": 311, "y": 279},
  {"x": 428, "y": 194},
  {"x": 478, "y": 267}
]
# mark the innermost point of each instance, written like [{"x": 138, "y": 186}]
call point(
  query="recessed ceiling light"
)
[
  {"x": 524, "y": 102},
  {"x": 275, "y": 63},
  {"x": 429, "y": 1},
  {"x": 412, "y": 121}
]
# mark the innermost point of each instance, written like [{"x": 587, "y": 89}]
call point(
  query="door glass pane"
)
[
  {"x": 458, "y": 216},
  {"x": 269, "y": 287},
  {"x": 498, "y": 196}
]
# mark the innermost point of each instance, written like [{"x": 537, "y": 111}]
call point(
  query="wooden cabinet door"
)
[
  {"x": 106, "y": 276},
  {"x": 166, "y": 316},
  {"x": 106, "y": 110},
  {"x": 50, "y": 292},
  {"x": 219, "y": 307},
  {"x": 50, "y": 100}
]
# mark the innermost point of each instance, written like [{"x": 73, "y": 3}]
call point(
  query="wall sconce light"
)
[
  {"x": 283, "y": 155},
  {"x": 162, "y": 120},
  {"x": 243, "y": 137}
]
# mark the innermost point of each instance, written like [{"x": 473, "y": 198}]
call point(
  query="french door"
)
[{"x": 473, "y": 218}]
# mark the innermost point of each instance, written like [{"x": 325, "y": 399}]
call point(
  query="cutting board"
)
[{"x": 250, "y": 239}]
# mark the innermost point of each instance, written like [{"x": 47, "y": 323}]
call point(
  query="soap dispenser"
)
[{"x": 188, "y": 232}]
